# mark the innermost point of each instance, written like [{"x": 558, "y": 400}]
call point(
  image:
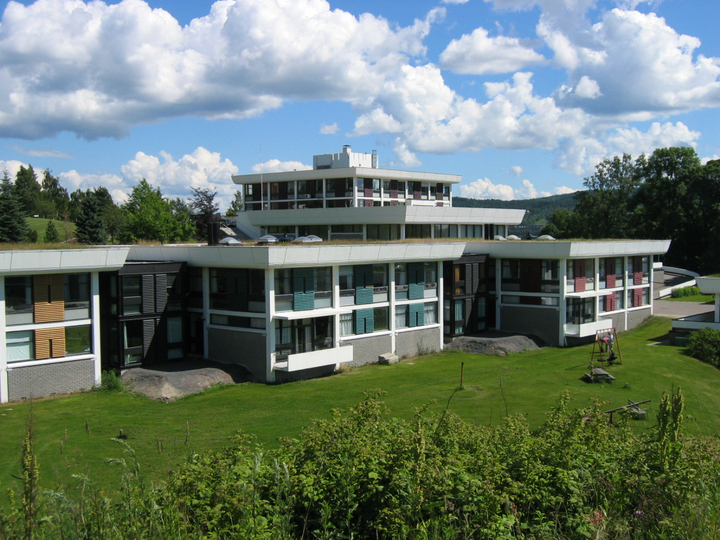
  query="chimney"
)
[{"x": 347, "y": 149}]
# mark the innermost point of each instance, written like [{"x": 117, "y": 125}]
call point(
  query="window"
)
[
  {"x": 580, "y": 310},
  {"x": 77, "y": 340},
  {"x": 380, "y": 316},
  {"x": 401, "y": 281},
  {"x": 236, "y": 322},
  {"x": 401, "y": 316},
  {"x": 77, "y": 296},
  {"x": 18, "y": 300},
  {"x": 20, "y": 346},
  {"x": 346, "y": 324},
  {"x": 174, "y": 330},
  {"x": 195, "y": 287},
  {"x": 131, "y": 295},
  {"x": 237, "y": 289},
  {"x": 431, "y": 313},
  {"x": 459, "y": 316}
]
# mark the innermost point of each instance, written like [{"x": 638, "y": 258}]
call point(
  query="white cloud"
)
[
  {"x": 12, "y": 167},
  {"x": 330, "y": 129},
  {"x": 484, "y": 188},
  {"x": 118, "y": 187},
  {"x": 405, "y": 156},
  {"x": 563, "y": 190},
  {"x": 275, "y": 165},
  {"x": 455, "y": 1},
  {"x": 516, "y": 171},
  {"x": 587, "y": 88},
  {"x": 643, "y": 66},
  {"x": 110, "y": 67},
  {"x": 579, "y": 155},
  {"x": 42, "y": 152},
  {"x": 478, "y": 54}
]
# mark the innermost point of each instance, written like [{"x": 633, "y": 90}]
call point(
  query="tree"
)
[
  {"x": 205, "y": 207},
  {"x": 90, "y": 227},
  {"x": 604, "y": 206},
  {"x": 13, "y": 227},
  {"x": 236, "y": 205},
  {"x": 51, "y": 233},
  {"x": 149, "y": 216},
  {"x": 28, "y": 190},
  {"x": 666, "y": 204},
  {"x": 563, "y": 224},
  {"x": 54, "y": 198}
]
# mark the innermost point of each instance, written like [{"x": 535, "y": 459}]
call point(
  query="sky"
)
[{"x": 521, "y": 97}]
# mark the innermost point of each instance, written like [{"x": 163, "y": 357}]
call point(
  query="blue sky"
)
[{"x": 520, "y": 97}]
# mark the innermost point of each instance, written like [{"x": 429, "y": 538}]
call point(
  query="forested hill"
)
[{"x": 539, "y": 209}]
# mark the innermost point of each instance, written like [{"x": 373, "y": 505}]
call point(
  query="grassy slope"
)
[
  {"x": 66, "y": 230},
  {"x": 531, "y": 383}
]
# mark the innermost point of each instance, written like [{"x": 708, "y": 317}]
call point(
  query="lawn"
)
[{"x": 73, "y": 433}]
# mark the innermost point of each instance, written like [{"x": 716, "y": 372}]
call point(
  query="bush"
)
[
  {"x": 705, "y": 346},
  {"x": 685, "y": 291},
  {"x": 110, "y": 381}
]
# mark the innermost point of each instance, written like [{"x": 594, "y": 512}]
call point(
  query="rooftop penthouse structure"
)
[{"x": 350, "y": 197}]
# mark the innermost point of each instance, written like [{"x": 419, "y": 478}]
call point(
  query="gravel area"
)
[{"x": 173, "y": 381}]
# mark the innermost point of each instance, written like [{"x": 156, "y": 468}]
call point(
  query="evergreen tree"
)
[
  {"x": 28, "y": 190},
  {"x": 90, "y": 228},
  {"x": 13, "y": 227},
  {"x": 51, "y": 233}
]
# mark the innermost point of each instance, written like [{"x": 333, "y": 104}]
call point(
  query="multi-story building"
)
[{"x": 405, "y": 272}]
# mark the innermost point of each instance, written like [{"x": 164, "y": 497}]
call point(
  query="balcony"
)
[
  {"x": 587, "y": 329},
  {"x": 314, "y": 359}
]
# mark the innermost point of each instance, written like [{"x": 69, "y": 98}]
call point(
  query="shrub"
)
[
  {"x": 704, "y": 345},
  {"x": 110, "y": 381},
  {"x": 685, "y": 291}
]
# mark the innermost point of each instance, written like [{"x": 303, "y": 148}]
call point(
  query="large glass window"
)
[
  {"x": 174, "y": 330},
  {"x": 18, "y": 300},
  {"x": 431, "y": 313},
  {"x": 237, "y": 289},
  {"x": 401, "y": 316},
  {"x": 78, "y": 340},
  {"x": 381, "y": 318},
  {"x": 580, "y": 310},
  {"x": 77, "y": 296},
  {"x": 20, "y": 346},
  {"x": 131, "y": 295}
]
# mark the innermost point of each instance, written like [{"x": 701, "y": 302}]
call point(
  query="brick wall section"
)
[
  {"x": 366, "y": 350},
  {"x": 236, "y": 347},
  {"x": 417, "y": 342},
  {"x": 35, "y": 382}
]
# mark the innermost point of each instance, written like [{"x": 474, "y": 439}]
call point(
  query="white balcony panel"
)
[
  {"x": 587, "y": 329},
  {"x": 308, "y": 360}
]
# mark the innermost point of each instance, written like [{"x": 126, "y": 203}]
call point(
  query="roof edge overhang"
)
[{"x": 54, "y": 261}]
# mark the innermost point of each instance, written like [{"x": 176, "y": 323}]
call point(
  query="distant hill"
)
[{"x": 539, "y": 209}]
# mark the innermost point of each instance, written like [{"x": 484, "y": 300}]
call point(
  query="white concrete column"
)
[
  {"x": 717, "y": 308},
  {"x": 440, "y": 305},
  {"x": 391, "y": 308},
  {"x": 269, "y": 324},
  {"x": 95, "y": 322},
  {"x": 206, "y": 310},
  {"x": 498, "y": 293},
  {"x": 562, "y": 276},
  {"x": 3, "y": 346}
]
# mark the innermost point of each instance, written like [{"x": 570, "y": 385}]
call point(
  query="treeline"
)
[
  {"x": 364, "y": 476},
  {"x": 668, "y": 195},
  {"x": 146, "y": 215},
  {"x": 538, "y": 210}
]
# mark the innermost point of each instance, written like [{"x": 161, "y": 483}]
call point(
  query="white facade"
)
[{"x": 49, "y": 320}]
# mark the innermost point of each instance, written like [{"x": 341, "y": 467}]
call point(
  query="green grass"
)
[
  {"x": 528, "y": 383},
  {"x": 66, "y": 230}
]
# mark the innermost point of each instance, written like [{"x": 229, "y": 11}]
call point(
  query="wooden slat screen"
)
[
  {"x": 49, "y": 294},
  {"x": 49, "y": 343}
]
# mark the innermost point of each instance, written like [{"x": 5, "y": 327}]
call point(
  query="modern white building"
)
[{"x": 405, "y": 273}]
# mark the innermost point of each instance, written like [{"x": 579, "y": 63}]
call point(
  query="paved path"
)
[{"x": 676, "y": 310}]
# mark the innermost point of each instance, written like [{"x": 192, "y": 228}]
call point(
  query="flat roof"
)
[
  {"x": 347, "y": 172},
  {"x": 53, "y": 261},
  {"x": 569, "y": 249},
  {"x": 400, "y": 214},
  {"x": 279, "y": 256}
]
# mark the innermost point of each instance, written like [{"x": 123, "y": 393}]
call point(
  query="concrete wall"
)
[
  {"x": 618, "y": 320},
  {"x": 541, "y": 322},
  {"x": 34, "y": 382},
  {"x": 366, "y": 350},
  {"x": 636, "y": 316},
  {"x": 417, "y": 342},
  {"x": 246, "y": 349}
]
